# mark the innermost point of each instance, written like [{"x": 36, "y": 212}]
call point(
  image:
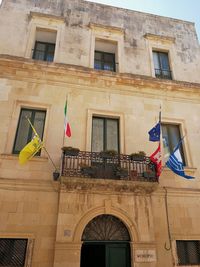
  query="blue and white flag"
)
[
  {"x": 175, "y": 162},
  {"x": 154, "y": 133}
]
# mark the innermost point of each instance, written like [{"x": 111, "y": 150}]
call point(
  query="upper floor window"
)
[
  {"x": 24, "y": 131},
  {"x": 161, "y": 65},
  {"x": 105, "y": 134},
  {"x": 104, "y": 61},
  {"x": 44, "y": 47},
  {"x": 171, "y": 136},
  {"x": 13, "y": 252},
  {"x": 188, "y": 252},
  {"x": 105, "y": 55},
  {"x": 44, "y": 51}
]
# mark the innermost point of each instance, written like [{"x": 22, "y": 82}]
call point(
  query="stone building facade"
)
[{"x": 115, "y": 67}]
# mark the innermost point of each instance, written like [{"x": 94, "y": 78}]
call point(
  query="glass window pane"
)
[
  {"x": 40, "y": 47},
  {"x": 23, "y": 130},
  {"x": 164, "y": 61},
  {"x": 112, "y": 138},
  {"x": 165, "y": 139},
  {"x": 39, "y": 55},
  {"x": 39, "y": 122},
  {"x": 156, "y": 60},
  {"x": 97, "y": 65},
  {"x": 109, "y": 58},
  {"x": 171, "y": 137},
  {"x": 108, "y": 66},
  {"x": 97, "y": 134},
  {"x": 97, "y": 55}
]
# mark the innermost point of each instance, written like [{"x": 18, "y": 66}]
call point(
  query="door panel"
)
[
  {"x": 105, "y": 255},
  {"x": 117, "y": 255}
]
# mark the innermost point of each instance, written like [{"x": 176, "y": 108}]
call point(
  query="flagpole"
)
[
  {"x": 66, "y": 101},
  {"x": 42, "y": 143}
]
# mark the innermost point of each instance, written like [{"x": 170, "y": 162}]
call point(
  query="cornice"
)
[
  {"x": 95, "y": 26},
  {"x": 45, "y": 16},
  {"x": 103, "y": 186},
  {"x": 44, "y": 72},
  {"x": 163, "y": 38},
  {"x": 28, "y": 185}
]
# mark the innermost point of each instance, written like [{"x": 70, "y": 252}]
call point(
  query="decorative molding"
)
[
  {"x": 46, "y": 16},
  {"x": 107, "y": 186},
  {"x": 67, "y": 246},
  {"x": 162, "y": 38},
  {"x": 29, "y": 185},
  {"x": 95, "y": 26}
]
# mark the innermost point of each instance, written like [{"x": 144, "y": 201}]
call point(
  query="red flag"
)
[
  {"x": 156, "y": 158},
  {"x": 67, "y": 127}
]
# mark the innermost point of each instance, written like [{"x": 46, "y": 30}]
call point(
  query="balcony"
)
[
  {"x": 103, "y": 166},
  {"x": 163, "y": 74}
]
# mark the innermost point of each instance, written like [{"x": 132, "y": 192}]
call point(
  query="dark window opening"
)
[
  {"x": 161, "y": 65},
  {"x": 44, "y": 51},
  {"x": 24, "y": 131},
  {"x": 188, "y": 252},
  {"x": 105, "y": 134},
  {"x": 12, "y": 252},
  {"x": 104, "y": 61}
]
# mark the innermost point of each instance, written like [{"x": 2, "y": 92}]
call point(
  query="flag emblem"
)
[
  {"x": 175, "y": 162},
  {"x": 67, "y": 127}
]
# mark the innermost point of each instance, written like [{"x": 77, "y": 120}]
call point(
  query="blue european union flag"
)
[
  {"x": 154, "y": 133},
  {"x": 175, "y": 163}
]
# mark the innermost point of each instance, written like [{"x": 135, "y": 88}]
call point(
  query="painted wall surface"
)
[
  {"x": 74, "y": 41},
  {"x": 53, "y": 214}
]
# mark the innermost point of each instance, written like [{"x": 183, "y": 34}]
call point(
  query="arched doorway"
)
[{"x": 105, "y": 243}]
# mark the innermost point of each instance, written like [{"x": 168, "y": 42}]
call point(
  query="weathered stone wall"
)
[{"x": 75, "y": 42}]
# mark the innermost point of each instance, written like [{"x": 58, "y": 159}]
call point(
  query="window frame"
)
[
  {"x": 10, "y": 252},
  {"x": 105, "y": 119},
  {"x": 161, "y": 70},
  {"x": 103, "y": 62},
  {"x": 186, "y": 251},
  {"x": 45, "y": 55},
  {"x": 30, "y": 131},
  {"x": 171, "y": 148}
]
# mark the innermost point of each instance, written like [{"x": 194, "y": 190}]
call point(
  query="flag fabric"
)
[
  {"x": 67, "y": 128},
  {"x": 175, "y": 162},
  {"x": 157, "y": 160},
  {"x": 30, "y": 149},
  {"x": 154, "y": 133}
]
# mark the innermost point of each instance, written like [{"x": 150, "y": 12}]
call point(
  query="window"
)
[
  {"x": 188, "y": 252},
  {"x": 44, "y": 51},
  {"x": 105, "y": 134},
  {"x": 44, "y": 47},
  {"x": 171, "y": 137},
  {"x": 105, "y": 55},
  {"x": 104, "y": 61},
  {"x": 161, "y": 65},
  {"x": 13, "y": 252},
  {"x": 24, "y": 131}
]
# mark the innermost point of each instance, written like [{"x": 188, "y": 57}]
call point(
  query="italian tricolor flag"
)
[{"x": 67, "y": 128}]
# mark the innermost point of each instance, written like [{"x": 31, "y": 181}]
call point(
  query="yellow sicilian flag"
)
[{"x": 29, "y": 151}]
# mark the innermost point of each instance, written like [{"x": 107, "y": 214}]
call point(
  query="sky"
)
[{"x": 180, "y": 9}]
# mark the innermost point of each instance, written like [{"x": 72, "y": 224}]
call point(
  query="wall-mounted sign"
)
[{"x": 145, "y": 255}]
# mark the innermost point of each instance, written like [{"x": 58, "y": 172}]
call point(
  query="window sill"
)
[{"x": 15, "y": 157}]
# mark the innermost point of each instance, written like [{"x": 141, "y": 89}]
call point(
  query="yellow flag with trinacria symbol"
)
[{"x": 29, "y": 151}]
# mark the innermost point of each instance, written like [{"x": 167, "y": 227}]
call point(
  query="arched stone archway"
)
[
  {"x": 130, "y": 225},
  {"x": 105, "y": 243}
]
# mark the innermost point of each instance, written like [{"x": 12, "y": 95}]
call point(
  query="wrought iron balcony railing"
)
[
  {"x": 102, "y": 166},
  {"x": 163, "y": 74}
]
